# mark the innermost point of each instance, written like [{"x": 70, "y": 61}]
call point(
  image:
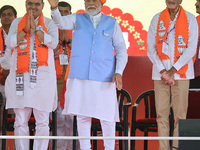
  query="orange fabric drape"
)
[
  {"x": 23, "y": 52},
  {"x": 181, "y": 29}
]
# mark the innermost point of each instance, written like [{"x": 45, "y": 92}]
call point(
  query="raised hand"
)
[{"x": 53, "y": 3}]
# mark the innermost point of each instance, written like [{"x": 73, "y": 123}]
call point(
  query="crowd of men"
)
[{"x": 44, "y": 69}]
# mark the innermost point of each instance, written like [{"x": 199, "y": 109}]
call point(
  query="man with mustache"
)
[
  {"x": 7, "y": 15},
  {"x": 31, "y": 84},
  {"x": 93, "y": 77},
  {"x": 171, "y": 50}
]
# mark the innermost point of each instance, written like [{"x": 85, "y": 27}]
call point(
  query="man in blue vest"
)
[{"x": 93, "y": 76}]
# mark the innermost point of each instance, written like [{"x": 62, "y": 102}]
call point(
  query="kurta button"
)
[
  {"x": 95, "y": 33},
  {"x": 90, "y": 61},
  {"x": 92, "y": 51},
  {"x": 93, "y": 42}
]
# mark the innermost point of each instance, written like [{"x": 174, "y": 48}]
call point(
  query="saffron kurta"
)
[{"x": 44, "y": 95}]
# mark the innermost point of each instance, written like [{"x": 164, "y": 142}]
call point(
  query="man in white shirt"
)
[
  {"x": 171, "y": 50},
  {"x": 7, "y": 15},
  {"x": 31, "y": 83},
  {"x": 93, "y": 77}
]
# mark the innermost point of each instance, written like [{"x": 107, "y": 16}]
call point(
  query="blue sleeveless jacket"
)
[{"x": 92, "y": 55}]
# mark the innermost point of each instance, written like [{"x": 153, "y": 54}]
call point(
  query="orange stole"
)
[
  {"x": 1, "y": 44},
  {"x": 62, "y": 98},
  {"x": 59, "y": 68},
  {"x": 1, "y": 41},
  {"x": 23, "y": 53},
  {"x": 181, "y": 28}
]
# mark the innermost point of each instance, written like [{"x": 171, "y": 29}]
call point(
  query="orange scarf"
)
[
  {"x": 1, "y": 45},
  {"x": 1, "y": 41},
  {"x": 23, "y": 53},
  {"x": 62, "y": 98},
  {"x": 181, "y": 28},
  {"x": 59, "y": 68}
]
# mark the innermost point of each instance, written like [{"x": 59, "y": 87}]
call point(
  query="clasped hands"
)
[
  {"x": 167, "y": 77},
  {"x": 30, "y": 22}
]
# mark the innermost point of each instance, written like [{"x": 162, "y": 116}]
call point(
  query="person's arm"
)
[
  {"x": 190, "y": 51},
  {"x": 62, "y": 22},
  {"x": 50, "y": 38},
  {"x": 151, "y": 41},
  {"x": 121, "y": 55},
  {"x": 11, "y": 40}
]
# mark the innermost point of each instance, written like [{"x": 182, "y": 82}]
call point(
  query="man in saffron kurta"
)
[
  {"x": 31, "y": 84},
  {"x": 91, "y": 91},
  {"x": 172, "y": 40}
]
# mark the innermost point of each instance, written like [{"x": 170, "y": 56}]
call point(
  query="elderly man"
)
[
  {"x": 31, "y": 84},
  {"x": 93, "y": 78},
  {"x": 172, "y": 64}
]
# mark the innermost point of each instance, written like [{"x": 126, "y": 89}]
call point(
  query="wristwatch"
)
[
  {"x": 69, "y": 41},
  {"x": 40, "y": 27}
]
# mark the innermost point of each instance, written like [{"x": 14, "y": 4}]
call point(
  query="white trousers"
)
[
  {"x": 64, "y": 128},
  {"x": 84, "y": 129},
  {"x": 21, "y": 128}
]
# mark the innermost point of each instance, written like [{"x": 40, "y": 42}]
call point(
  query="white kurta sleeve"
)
[
  {"x": 51, "y": 39},
  {"x": 120, "y": 49},
  {"x": 190, "y": 51},
  {"x": 5, "y": 60},
  {"x": 151, "y": 41},
  {"x": 64, "y": 22},
  {"x": 11, "y": 40}
]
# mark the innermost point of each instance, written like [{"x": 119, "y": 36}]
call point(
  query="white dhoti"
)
[{"x": 92, "y": 99}]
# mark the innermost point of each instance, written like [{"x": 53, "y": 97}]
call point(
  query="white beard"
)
[{"x": 93, "y": 12}]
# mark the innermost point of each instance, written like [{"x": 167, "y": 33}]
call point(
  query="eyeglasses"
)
[
  {"x": 31, "y": 4},
  {"x": 94, "y": 1}
]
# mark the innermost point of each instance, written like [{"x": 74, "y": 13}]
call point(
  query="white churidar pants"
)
[
  {"x": 84, "y": 127},
  {"x": 21, "y": 128},
  {"x": 64, "y": 128}
]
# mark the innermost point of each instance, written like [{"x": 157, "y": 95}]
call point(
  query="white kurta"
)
[
  {"x": 44, "y": 95},
  {"x": 93, "y": 98},
  {"x": 185, "y": 58}
]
